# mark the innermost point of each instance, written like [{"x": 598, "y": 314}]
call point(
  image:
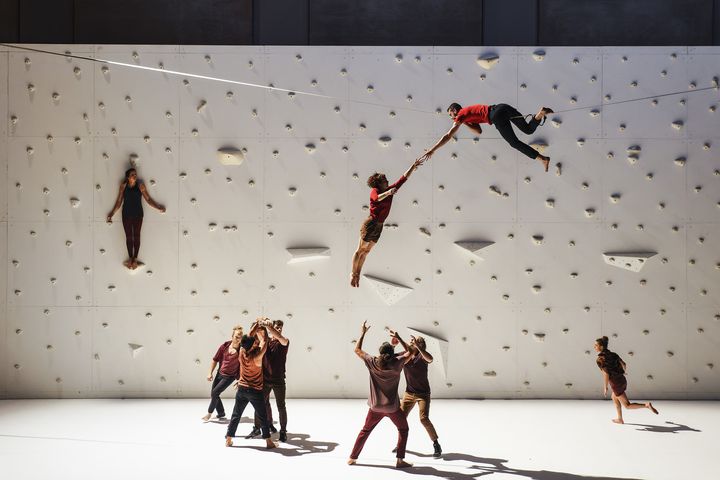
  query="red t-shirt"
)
[
  {"x": 473, "y": 114},
  {"x": 229, "y": 363},
  {"x": 379, "y": 210}
]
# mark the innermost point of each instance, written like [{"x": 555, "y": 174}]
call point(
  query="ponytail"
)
[{"x": 603, "y": 342}]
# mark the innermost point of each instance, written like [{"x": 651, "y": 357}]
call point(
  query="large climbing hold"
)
[
  {"x": 230, "y": 156},
  {"x": 390, "y": 293},
  {"x": 474, "y": 246},
  {"x": 435, "y": 344},
  {"x": 488, "y": 61},
  {"x": 633, "y": 261},
  {"x": 308, "y": 254}
]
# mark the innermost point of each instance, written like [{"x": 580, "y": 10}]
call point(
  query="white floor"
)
[{"x": 495, "y": 439}]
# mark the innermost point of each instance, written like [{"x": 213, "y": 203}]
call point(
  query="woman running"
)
[
  {"x": 130, "y": 196},
  {"x": 613, "y": 369}
]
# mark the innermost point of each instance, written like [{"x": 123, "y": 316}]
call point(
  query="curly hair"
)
[{"x": 375, "y": 180}]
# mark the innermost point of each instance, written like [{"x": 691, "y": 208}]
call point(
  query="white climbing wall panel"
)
[{"x": 520, "y": 317}]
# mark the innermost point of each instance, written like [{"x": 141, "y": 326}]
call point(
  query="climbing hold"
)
[{"x": 488, "y": 61}]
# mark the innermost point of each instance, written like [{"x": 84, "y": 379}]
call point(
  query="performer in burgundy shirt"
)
[
  {"x": 381, "y": 197},
  {"x": 383, "y": 401},
  {"x": 417, "y": 386},
  {"x": 274, "y": 378},
  {"x": 613, "y": 369},
  {"x": 227, "y": 357},
  {"x": 500, "y": 115}
]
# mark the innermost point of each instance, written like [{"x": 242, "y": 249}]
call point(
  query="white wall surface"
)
[{"x": 69, "y": 308}]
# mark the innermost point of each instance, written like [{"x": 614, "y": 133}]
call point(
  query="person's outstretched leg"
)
[
  {"x": 128, "y": 227},
  {"x": 371, "y": 421},
  {"x": 501, "y": 117},
  {"x": 136, "y": 226},
  {"x": 279, "y": 391},
  {"x": 633, "y": 406},
  {"x": 241, "y": 402},
  {"x": 359, "y": 260},
  {"x": 424, "y": 406},
  {"x": 618, "y": 409},
  {"x": 400, "y": 421}
]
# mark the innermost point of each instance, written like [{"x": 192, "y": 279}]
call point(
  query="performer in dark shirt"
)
[
  {"x": 417, "y": 386},
  {"x": 130, "y": 196}
]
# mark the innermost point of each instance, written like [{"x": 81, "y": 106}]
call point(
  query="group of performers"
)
[{"x": 255, "y": 362}]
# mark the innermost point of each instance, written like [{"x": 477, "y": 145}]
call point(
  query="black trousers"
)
[
  {"x": 278, "y": 388},
  {"x": 503, "y": 116},
  {"x": 219, "y": 385},
  {"x": 244, "y": 396}
]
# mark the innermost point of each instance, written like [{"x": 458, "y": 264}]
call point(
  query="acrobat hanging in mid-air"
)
[{"x": 500, "y": 115}]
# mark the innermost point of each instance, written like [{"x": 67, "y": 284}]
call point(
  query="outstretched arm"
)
[
  {"x": 424, "y": 354},
  {"x": 412, "y": 168},
  {"x": 118, "y": 202},
  {"x": 443, "y": 140},
  {"x": 396, "y": 335},
  {"x": 149, "y": 199},
  {"x": 358, "y": 346}
]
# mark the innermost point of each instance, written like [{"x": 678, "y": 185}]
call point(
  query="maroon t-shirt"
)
[
  {"x": 274, "y": 361},
  {"x": 229, "y": 363},
  {"x": 384, "y": 384},
  {"x": 473, "y": 114},
  {"x": 379, "y": 210},
  {"x": 416, "y": 376}
]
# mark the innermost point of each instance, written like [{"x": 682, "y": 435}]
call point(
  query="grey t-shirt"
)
[{"x": 384, "y": 384}]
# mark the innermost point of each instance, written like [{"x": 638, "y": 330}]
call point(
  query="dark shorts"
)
[
  {"x": 618, "y": 384},
  {"x": 371, "y": 230}
]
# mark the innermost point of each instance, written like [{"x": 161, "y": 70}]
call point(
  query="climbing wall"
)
[{"x": 509, "y": 272}]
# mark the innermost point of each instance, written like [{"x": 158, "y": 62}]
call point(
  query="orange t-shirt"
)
[{"x": 251, "y": 373}]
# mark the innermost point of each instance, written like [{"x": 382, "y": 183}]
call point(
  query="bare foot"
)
[
  {"x": 352, "y": 461},
  {"x": 402, "y": 464},
  {"x": 652, "y": 409},
  {"x": 270, "y": 444},
  {"x": 206, "y": 418},
  {"x": 544, "y": 111},
  {"x": 618, "y": 420},
  {"x": 545, "y": 161},
  {"x": 228, "y": 442},
  {"x": 355, "y": 280},
  {"x": 128, "y": 264}
]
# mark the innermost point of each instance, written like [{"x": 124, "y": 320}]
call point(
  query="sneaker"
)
[
  {"x": 438, "y": 450},
  {"x": 254, "y": 433},
  {"x": 283, "y": 436},
  {"x": 273, "y": 429},
  {"x": 220, "y": 417}
]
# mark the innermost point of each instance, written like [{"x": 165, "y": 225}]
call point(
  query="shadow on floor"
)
[
  {"x": 302, "y": 443},
  {"x": 671, "y": 428},
  {"x": 484, "y": 467}
]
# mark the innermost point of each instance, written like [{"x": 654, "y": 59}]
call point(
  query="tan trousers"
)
[{"x": 408, "y": 402}]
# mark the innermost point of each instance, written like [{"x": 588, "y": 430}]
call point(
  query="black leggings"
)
[
  {"x": 132, "y": 228},
  {"x": 501, "y": 115}
]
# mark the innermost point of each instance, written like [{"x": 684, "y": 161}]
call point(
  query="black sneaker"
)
[
  {"x": 283, "y": 436},
  {"x": 438, "y": 450},
  {"x": 273, "y": 429},
  {"x": 254, "y": 433}
]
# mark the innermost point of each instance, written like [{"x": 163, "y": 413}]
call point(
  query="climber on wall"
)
[
  {"x": 130, "y": 196},
  {"x": 500, "y": 115},
  {"x": 381, "y": 196}
]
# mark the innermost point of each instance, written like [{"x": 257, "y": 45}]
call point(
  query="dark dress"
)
[{"x": 611, "y": 363}]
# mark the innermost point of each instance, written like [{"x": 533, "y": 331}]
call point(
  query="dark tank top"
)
[{"x": 132, "y": 202}]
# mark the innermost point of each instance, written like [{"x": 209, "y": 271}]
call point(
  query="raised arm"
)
[
  {"x": 358, "y": 346},
  {"x": 118, "y": 202},
  {"x": 149, "y": 199},
  {"x": 275, "y": 334},
  {"x": 396, "y": 336},
  {"x": 386, "y": 193},
  {"x": 421, "y": 350},
  {"x": 412, "y": 168},
  {"x": 443, "y": 140}
]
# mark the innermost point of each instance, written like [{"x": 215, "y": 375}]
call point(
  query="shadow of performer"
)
[
  {"x": 303, "y": 444},
  {"x": 672, "y": 428}
]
